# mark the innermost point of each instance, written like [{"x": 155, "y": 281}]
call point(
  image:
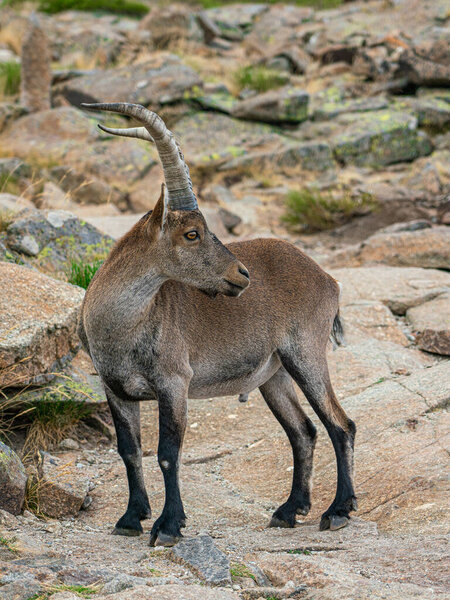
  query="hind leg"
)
[
  {"x": 311, "y": 374},
  {"x": 282, "y": 400},
  {"x": 126, "y": 416}
]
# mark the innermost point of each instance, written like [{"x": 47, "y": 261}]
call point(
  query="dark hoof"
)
[
  {"x": 126, "y": 532},
  {"x": 333, "y": 522},
  {"x": 276, "y": 522},
  {"x": 163, "y": 539}
]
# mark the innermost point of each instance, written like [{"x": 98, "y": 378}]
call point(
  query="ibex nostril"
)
[{"x": 244, "y": 272}]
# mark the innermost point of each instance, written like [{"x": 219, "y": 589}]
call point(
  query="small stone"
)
[
  {"x": 202, "y": 556},
  {"x": 122, "y": 582},
  {"x": 13, "y": 480},
  {"x": 69, "y": 444},
  {"x": 27, "y": 245}
]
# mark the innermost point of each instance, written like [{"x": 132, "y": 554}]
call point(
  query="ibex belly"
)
[{"x": 233, "y": 377}]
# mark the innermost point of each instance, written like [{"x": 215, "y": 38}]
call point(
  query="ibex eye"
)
[{"x": 191, "y": 235}]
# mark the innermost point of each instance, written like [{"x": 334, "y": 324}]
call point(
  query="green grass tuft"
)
[
  {"x": 52, "y": 418},
  {"x": 311, "y": 210},
  {"x": 240, "y": 570},
  {"x": 122, "y": 7},
  {"x": 10, "y": 78},
  {"x": 258, "y": 78},
  {"x": 81, "y": 274}
]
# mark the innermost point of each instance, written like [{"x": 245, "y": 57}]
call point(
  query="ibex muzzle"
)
[{"x": 153, "y": 334}]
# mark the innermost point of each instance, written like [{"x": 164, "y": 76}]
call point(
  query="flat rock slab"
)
[
  {"x": 398, "y": 288},
  {"x": 287, "y": 105},
  {"x": 380, "y": 138},
  {"x": 161, "y": 80},
  {"x": 170, "y": 592},
  {"x": 204, "y": 558},
  {"x": 63, "y": 487},
  {"x": 13, "y": 480},
  {"x": 431, "y": 321},
  {"x": 213, "y": 141},
  {"x": 427, "y": 248},
  {"x": 38, "y": 320}
]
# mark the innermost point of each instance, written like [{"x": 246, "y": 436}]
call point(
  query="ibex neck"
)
[{"x": 133, "y": 298}]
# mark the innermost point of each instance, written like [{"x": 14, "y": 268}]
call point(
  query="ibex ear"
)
[{"x": 159, "y": 214}]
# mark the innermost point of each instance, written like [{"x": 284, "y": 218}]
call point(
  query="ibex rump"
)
[{"x": 164, "y": 319}]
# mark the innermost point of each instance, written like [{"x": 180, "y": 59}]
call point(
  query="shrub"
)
[
  {"x": 258, "y": 78},
  {"x": 123, "y": 7},
  {"x": 81, "y": 274},
  {"x": 311, "y": 210},
  {"x": 10, "y": 78}
]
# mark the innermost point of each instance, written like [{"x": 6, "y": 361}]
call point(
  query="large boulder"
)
[
  {"x": 380, "y": 138},
  {"x": 286, "y": 105},
  {"x": 229, "y": 144},
  {"x": 50, "y": 133},
  {"x": 13, "y": 480},
  {"x": 404, "y": 246},
  {"x": 161, "y": 80},
  {"x": 431, "y": 322},
  {"x": 51, "y": 240},
  {"x": 37, "y": 326}
]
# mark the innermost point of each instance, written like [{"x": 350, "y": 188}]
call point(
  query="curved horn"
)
[
  {"x": 134, "y": 132},
  {"x": 176, "y": 172}
]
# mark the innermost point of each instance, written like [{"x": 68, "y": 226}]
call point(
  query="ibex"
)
[{"x": 165, "y": 318}]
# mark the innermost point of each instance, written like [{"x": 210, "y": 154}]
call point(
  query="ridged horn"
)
[{"x": 176, "y": 172}]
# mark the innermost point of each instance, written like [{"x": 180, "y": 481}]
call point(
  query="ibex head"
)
[{"x": 184, "y": 249}]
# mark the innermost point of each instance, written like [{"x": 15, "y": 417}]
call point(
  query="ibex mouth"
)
[{"x": 234, "y": 289}]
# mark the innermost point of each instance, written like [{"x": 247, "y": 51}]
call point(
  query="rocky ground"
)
[{"x": 357, "y": 107}]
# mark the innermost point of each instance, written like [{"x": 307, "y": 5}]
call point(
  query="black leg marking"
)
[
  {"x": 172, "y": 425},
  {"x": 126, "y": 416},
  {"x": 314, "y": 380},
  {"x": 282, "y": 400}
]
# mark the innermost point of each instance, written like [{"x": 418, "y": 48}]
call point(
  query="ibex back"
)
[{"x": 169, "y": 317}]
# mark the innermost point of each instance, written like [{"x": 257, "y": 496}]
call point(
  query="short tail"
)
[{"x": 337, "y": 332}]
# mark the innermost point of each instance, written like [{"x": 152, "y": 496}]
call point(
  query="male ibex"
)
[{"x": 155, "y": 329}]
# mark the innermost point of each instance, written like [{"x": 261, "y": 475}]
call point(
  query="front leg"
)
[
  {"x": 126, "y": 416},
  {"x": 172, "y": 425}
]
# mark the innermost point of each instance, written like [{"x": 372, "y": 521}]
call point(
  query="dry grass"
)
[
  {"x": 52, "y": 418},
  {"x": 6, "y": 218},
  {"x": 11, "y": 35}
]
